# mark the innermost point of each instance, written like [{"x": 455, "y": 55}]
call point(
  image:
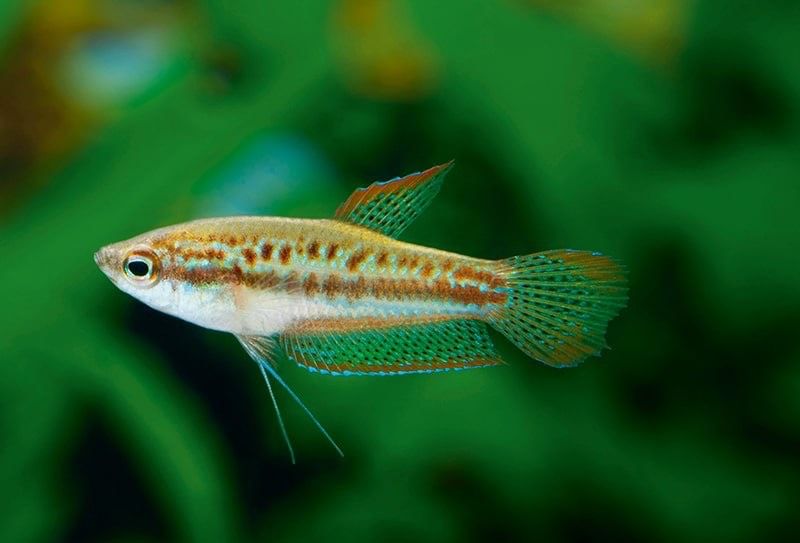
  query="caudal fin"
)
[{"x": 560, "y": 303}]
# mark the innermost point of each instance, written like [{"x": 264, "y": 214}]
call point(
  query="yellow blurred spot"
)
[
  {"x": 651, "y": 29},
  {"x": 380, "y": 54}
]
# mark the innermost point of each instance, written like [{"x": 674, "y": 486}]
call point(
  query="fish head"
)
[
  {"x": 136, "y": 266},
  {"x": 177, "y": 270}
]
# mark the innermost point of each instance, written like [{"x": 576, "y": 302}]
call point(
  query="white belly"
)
[{"x": 245, "y": 311}]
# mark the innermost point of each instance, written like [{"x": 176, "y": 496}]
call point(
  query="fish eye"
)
[
  {"x": 141, "y": 267},
  {"x": 138, "y": 267}
]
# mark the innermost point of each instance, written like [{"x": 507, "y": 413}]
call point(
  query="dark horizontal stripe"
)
[{"x": 334, "y": 286}]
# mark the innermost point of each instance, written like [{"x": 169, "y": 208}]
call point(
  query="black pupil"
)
[{"x": 139, "y": 268}]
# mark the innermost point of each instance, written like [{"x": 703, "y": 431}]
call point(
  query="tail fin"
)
[{"x": 560, "y": 303}]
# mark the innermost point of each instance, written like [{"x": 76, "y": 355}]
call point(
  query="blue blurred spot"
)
[
  {"x": 107, "y": 68},
  {"x": 264, "y": 177}
]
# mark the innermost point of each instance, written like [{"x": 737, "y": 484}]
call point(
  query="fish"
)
[{"x": 345, "y": 297}]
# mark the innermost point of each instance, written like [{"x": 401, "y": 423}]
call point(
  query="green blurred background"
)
[{"x": 663, "y": 132}]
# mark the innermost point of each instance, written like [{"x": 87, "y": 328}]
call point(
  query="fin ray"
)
[
  {"x": 418, "y": 348},
  {"x": 277, "y": 412},
  {"x": 260, "y": 349},
  {"x": 389, "y": 207},
  {"x": 560, "y": 303}
]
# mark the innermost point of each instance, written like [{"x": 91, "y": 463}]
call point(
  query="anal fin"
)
[{"x": 419, "y": 348}]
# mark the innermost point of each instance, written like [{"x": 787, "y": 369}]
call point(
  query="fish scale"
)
[{"x": 341, "y": 266}]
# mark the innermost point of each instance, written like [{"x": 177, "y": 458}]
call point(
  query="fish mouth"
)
[{"x": 103, "y": 259}]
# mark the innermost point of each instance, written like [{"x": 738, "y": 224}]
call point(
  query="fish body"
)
[
  {"x": 266, "y": 276},
  {"x": 343, "y": 296}
]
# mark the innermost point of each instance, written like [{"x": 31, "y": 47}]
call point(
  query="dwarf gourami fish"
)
[{"x": 343, "y": 296}]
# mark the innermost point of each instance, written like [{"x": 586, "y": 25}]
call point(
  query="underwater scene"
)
[{"x": 646, "y": 153}]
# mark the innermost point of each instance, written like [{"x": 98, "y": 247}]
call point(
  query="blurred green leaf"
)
[{"x": 11, "y": 14}]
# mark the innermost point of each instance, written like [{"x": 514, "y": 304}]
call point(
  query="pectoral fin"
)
[
  {"x": 262, "y": 350},
  {"x": 389, "y": 207}
]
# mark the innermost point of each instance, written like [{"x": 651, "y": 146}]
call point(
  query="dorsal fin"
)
[{"x": 389, "y": 207}]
